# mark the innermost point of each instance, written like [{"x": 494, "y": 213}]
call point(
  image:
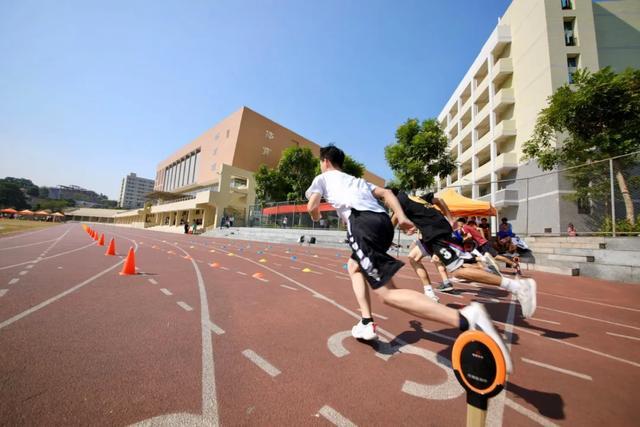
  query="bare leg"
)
[
  {"x": 415, "y": 256},
  {"x": 477, "y": 275},
  {"x": 441, "y": 269},
  {"x": 360, "y": 289},
  {"x": 417, "y": 304},
  {"x": 505, "y": 260}
]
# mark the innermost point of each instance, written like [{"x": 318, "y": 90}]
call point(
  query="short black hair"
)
[
  {"x": 471, "y": 222},
  {"x": 462, "y": 220},
  {"x": 504, "y": 219},
  {"x": 333, "y": 154},
  {"x": 484, "y": 219}
]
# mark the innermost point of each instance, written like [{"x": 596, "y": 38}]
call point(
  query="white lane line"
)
[
  {"x": 153, "y": 282},
  {"x": 623, "y": 336},
  {"x": 3, "y": 291},
  {"x": 224, "y": 268},
  {"x": 495, "y": 412},
  {"x": 342, "y": 277},
  {"x": 590, "y": 302},
  {"x": 14, "y": 281},
  {"x": 528, "y": 413},
  {"x": 30, "y": 244},
  {"x": 215, "y": 328},
  {"x": 289, "y": 287},
  {"x": 23, "y": 272},
  {"x": 590, "y": 318},
  {"x": 165, "y": 291},
  {"x": 316, "y": 272},
  {"x": 334, "y": 417},
  {"x": 294, "y": 268},
  {"x": 184, "y": 305},
  {"x": 261, "y": 363},
  {"x": 241, "y": 273},
  {"x": 26, "y": 234},
  {"x": 277, "y": 265},
  {"x": 29, "y": 267},
  {"x": 545, "y": 321},
  {"x": 49, "y": 257},
  {"x": 564, "y": 342},
  {"x": 60, "y": 295},
  {"x": 557, "y": 369}
]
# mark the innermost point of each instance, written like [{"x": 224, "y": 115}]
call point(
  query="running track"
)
[{"x": 188, "y": 343}]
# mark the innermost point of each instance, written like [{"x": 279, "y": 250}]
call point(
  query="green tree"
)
[
  {"x": 269, "y": 185},
  {"x": 43, "y": 192},
  {"x": 297, "y": 167},
  {"x": 11, "y": 196},
  {"x": 596, "y": 118},
  {"x": 419, "y": 154},
  {"x": 353, "y": 167}
]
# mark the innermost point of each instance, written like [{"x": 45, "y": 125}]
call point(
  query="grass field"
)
[{"x": 13, "y": 226}]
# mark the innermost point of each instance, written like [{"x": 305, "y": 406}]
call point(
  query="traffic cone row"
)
[{"x": 129, "y": 266}]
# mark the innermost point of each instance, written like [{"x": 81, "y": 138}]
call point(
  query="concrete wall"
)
[{"x": 617, "y": 26}]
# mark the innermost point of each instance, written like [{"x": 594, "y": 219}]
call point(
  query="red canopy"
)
[
  {"x": 287, "y": 209},
  {"x": 9, "y": 211}
]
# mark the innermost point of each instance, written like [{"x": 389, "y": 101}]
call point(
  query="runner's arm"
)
[
  {"x": 313, "y": 206},
  {"x": 444, "y": 208},
  {"x": 392, "y": 202}
]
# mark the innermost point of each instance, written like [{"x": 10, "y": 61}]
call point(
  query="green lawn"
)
[{"x": 14, "y": 226}]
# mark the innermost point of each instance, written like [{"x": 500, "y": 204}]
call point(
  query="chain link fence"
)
[
  {"x": 588, "y": 197},
  {"x": 596, "y": 198}
]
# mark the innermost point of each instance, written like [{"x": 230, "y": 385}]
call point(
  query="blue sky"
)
[{"x": 90, "y": 91}]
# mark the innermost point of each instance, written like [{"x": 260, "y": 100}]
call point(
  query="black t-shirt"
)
[{"x": 425, "y": 216}]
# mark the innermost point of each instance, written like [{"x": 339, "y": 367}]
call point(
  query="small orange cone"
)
[
  {"x": 258, "y": 275},
  {"x": 215, "y": 265},
  {"x": 85, "y": 227},
  {"x": 129, "y": 266},
  {"x": 111, "y": 250},
  {"x": 101, "y": 241},
  {"x": 95, "y": 236}
]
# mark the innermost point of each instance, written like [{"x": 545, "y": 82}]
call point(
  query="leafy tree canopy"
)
[{"x": 11, "y": 196}]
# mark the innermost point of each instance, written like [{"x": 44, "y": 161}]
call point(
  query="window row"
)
[{"x": 182, "y": 172}]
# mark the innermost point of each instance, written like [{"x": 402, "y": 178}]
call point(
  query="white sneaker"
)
[
  {"x": 526, "y": 295},
  {"x": 428, "y": 291},
  {"x": 479, "y": 319},
  {"x": 364, "y": 332}
]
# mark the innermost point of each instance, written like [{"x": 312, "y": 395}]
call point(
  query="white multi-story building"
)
[
  {"x": 132, "y": 191},
  {"x": 533, "y": 50}
]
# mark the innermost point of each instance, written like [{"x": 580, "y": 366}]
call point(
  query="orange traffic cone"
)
[
  {"x": 101, "y": 241},
  {"x": 95, "y": 236},
  {"x": 129, "y": 266},
  {"x": 111, "y": 250}
]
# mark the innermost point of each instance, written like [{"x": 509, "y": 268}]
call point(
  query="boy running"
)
[
  {"x": 370, "y": 234},
  {"x": 435, "y": 235}
]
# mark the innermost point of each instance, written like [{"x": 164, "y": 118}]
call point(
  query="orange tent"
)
[
  {"x": 460, "y": 205},
  {"x": 42, "y": 213},
  {"x": 57, "y": 214},
  {"x": 25, "y": 212},
  {"x": 9, "y": 211}
]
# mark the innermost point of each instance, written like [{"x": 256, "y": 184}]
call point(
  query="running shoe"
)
[
  {"x": 526, "y": 295},
  {"x": 479, "y": 320},
  {"x": 444, "y": 287},
  {"x": 364, "y": 332},
  {"x": 428, "y": 291},
  {"x": 492, "y": 264}
]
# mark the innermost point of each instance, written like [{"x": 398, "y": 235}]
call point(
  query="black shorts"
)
[
  {"x": 488, "y": 248},
  {"x": 441, "y": 248},
  {"x": 370, "y": 235}
]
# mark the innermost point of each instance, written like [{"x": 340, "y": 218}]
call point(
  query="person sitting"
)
[
  {"x": 505, "y": 239},
  {"x": 571, "y": 230}
]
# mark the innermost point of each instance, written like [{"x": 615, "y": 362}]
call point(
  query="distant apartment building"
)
[
  {"x": 133, "y": 191},
  {"x": 535, "y": 48},
  {"x": 212, "y": 176}
]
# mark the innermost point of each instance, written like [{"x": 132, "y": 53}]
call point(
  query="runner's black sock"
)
[
  {"x": 366, "y": 320},
  {"x": 464, "y": 323}
]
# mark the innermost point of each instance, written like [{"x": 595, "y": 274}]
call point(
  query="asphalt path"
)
[{"x": 227, "y": 332}]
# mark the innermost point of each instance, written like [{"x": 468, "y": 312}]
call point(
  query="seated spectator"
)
[
  {"x": 571, "y": 230},
  {"x": 505, "y": 241},
  {"x": 485, "y": 227}
]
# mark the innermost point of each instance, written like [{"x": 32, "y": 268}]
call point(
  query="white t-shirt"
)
[{"x": 344, "y": 192}]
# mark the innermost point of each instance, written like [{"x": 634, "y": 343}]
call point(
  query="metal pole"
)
[
  {"x": 613, "y": 200},
  {"x": 527, "y": 224}
]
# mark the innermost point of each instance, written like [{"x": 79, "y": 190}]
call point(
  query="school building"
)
[
  {"x": 534, "y": 49},
  {"x": 212, "y": 176}
]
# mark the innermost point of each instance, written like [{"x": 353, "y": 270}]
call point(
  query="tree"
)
[
  {"x": 297, "y": 167},
  {"x": 43, "y": 192},
  {"x": 269, "y": 185},
  {"x": 11, "y": 196},
  {"x": 352, "y": 167},
  {"x": 419, "y": 154},
  {"x": 596, "y": 118}
]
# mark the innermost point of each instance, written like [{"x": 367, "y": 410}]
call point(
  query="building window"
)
[
  {"x": 572, "y": 67},
  {"x": 566, "y": 4},
  {"x": 569, "y": 34},
  {"x": 228, "y": 132}
]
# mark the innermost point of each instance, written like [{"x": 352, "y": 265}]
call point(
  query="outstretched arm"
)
[
  {"x": 392, "y": 202},
  {"x": 444, "y": 208}
]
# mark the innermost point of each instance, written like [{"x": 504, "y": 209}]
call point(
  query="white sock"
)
[{"x": 510, "y": 284}]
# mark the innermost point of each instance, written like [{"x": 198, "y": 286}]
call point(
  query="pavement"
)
[{"x": 198, "y": 338}]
